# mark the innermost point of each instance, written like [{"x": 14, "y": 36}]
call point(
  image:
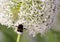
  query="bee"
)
[{"x": 20, "y": 28}]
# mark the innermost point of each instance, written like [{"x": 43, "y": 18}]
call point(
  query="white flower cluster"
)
[
  {"x": 35, "y": 15},
  {"x": 5, "y": 14}
]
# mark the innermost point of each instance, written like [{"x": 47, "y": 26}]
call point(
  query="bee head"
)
[{"x": 20, "y": 26}]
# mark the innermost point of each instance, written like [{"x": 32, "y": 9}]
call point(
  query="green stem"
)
[{"x": 18, "y": 37}]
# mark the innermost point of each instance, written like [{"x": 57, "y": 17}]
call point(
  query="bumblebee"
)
[{"x": 20, "y": 28}]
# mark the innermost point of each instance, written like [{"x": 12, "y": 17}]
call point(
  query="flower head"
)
[{"x": 35, "y": 15}]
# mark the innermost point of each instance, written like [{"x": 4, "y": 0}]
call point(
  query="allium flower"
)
[{"x": 36, "y": 16}]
